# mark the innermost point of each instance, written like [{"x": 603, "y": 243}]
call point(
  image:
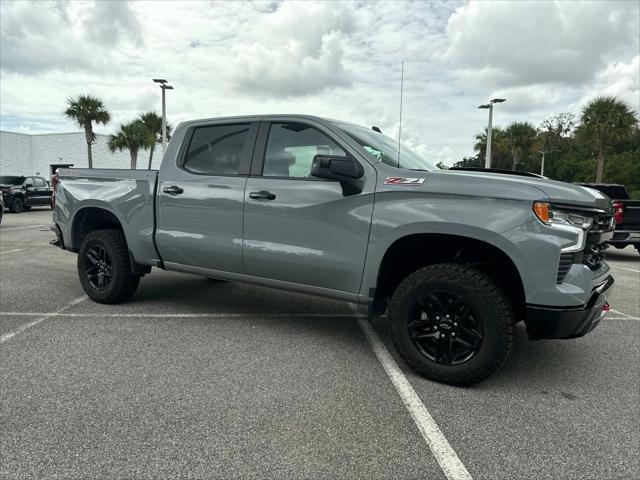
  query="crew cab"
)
[
  {"x": 626, "y": 213},
  {"x": 455, "y": 258},
  {"x": 21, "y": 193}
]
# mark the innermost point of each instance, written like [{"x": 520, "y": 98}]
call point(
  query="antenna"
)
[{"x": 400, "y": 126}]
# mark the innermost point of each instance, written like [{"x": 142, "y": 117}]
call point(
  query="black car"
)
[
  {"x": 21, "y": 193},
  {"x": 627, "y": 214},
  {"x": 1, "y": 208}
]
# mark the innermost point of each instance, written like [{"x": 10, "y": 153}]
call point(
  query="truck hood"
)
[{"x": 557, "y": 192}]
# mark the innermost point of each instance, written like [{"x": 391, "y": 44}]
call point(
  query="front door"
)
[
  {"x": 298, "y": 228},
  {"x": 200, "y": 199}
]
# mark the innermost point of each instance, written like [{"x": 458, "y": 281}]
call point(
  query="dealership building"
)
[{"x": 38, "y": 154}]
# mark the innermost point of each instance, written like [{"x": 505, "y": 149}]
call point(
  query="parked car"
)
[
  {"x": 627, "y": 214},
  {"x": 21, "y": 193},
  {"x": 302, "y": 203},
  {"x": 1, "y": 208}
]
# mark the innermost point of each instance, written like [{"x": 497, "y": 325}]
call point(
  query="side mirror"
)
[
  {"x": 28, "y": 185},
  {"x": 344, "y": 169}
]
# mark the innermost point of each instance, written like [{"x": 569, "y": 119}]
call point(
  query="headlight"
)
[
  {"x": 565, "y": 221},
  {"x": 549, "y": 216}
]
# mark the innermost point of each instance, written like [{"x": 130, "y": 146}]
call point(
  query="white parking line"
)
[
  {"x": 22, "y": 328},
  {"x": 627, "y": 269},
  {"x": 624, "y": 315},
  {"x": 446, "y": 456},
  {"x": 19, "y": 228},
  {"x": 12, "y": 251}
]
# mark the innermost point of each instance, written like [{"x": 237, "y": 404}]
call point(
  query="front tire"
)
[
  {"x": 104, "y": 267},
  {"x": 452, "y": 324},
  {"x": 17, "y": 205}
]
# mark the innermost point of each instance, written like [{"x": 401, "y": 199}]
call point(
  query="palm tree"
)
[
  {"x": 132, "y": 136},
  {"x": 606, "y": 120},
  {"x": 521, "y": 138},
  {"x": 85, "y": 110},
  {"x": 153, "y": 122}
]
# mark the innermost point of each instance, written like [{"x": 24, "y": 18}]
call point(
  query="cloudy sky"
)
[{"x": 337, "y": 59}]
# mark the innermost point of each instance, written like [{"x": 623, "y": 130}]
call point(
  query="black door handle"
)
[
  {"x": 173, "y": 190},
  {"x": 262, "y": 195}
]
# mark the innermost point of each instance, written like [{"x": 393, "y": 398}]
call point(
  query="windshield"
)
[
  {"x": 11, "y": 180},
  {"x": 385, "y": 149}
]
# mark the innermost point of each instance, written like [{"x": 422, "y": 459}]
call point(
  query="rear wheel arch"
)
[{"x": 89, "y": 219}]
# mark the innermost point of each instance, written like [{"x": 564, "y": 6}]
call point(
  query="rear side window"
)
[
  {"x": 217, "y": 149},
  {"x": 39, "y": 182},
  {"x": 291, "y": 148}
]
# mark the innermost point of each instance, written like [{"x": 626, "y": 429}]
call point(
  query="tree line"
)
[
  {"x": 601, "y": 144},
  {"x": 142, "y": 133}
]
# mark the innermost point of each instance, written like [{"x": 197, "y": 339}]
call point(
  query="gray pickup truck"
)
[{"x": 455, "y": 258}]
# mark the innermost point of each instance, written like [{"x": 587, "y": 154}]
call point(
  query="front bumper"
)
[{"x": 554, "y": 322}]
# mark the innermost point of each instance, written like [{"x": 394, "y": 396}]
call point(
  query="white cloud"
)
[
  {"x": 524, "y": 43},
  {"x": 335, "y": 59}
]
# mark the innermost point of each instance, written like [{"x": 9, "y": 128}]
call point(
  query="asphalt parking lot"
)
[{"x": 200, "y": 379}]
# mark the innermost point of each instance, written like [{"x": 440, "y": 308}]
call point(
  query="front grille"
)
[
  {"x": 566, "y": 260},
  {"x": 602, "y": 223},
  {"x": 592, "y": 256}
]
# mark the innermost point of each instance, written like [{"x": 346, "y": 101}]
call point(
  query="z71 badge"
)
[{"x": 403, "y": 181}]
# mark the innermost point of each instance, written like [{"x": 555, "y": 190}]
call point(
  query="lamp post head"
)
[
  {"x": 159, "y": 80},
  {"x": 168, "y": 87},
  {"x": 498, "y": 100},
  {"x": 484, "y": 105}
]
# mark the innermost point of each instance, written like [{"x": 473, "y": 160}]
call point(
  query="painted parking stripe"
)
[
  {"x": 13, "y": 251},
  {"x": 20, "y": 228},
  {"x": 22, "y": 328},
  {"x": 627, "y": 269},
  {"x": 624, "y": 315},
  {"x": 446, "y": 456}
]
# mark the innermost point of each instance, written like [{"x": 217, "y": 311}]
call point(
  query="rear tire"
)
[
  {"x": 104, "y": 267},
  {"x": 452, "y": 324},
  {"x": 17, "y": 205}
]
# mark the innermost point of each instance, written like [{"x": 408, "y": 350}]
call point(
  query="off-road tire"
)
[
  {"x": 17, "y": 205},
  {"x": 123, "y": 282},
  {"x": 479, "y": 291}
]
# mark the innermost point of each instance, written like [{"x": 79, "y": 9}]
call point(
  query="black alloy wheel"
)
[
  {"x": 444, "y": 328},
  {"x": 17, "y": 206},
  {"x": 99, "y": 269}
]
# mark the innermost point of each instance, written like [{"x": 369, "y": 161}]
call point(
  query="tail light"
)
[
  {"x": 54, "y": 185},
  {"x": 618, "y": 213},
  {"x": 54, "y": 181}
]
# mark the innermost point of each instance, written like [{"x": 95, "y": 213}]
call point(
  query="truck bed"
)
[{"x": 128, "y": 194}]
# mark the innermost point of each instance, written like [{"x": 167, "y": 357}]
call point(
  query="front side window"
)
[
  {"x": 39, "y": 182},
  {"x": 217, "y": 150},
  {"x": 291, "y": 148}
]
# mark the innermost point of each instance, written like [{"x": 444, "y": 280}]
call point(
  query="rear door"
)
[
  {"x": 43, "y": 193},
  {"x": 200, "y": 198},
  {"x": 298, "y": 228}
]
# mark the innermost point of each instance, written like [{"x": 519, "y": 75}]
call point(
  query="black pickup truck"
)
[
  {"x": 627, "y": 214},
  {"x": 21, "y": 193}
]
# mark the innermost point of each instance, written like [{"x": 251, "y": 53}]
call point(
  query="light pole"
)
[
  {"x": 487, "y": 158},
  {"x": 163, "y": 86}
]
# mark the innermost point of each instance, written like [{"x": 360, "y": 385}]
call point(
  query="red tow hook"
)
[{"x": 606, "y": 307}]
